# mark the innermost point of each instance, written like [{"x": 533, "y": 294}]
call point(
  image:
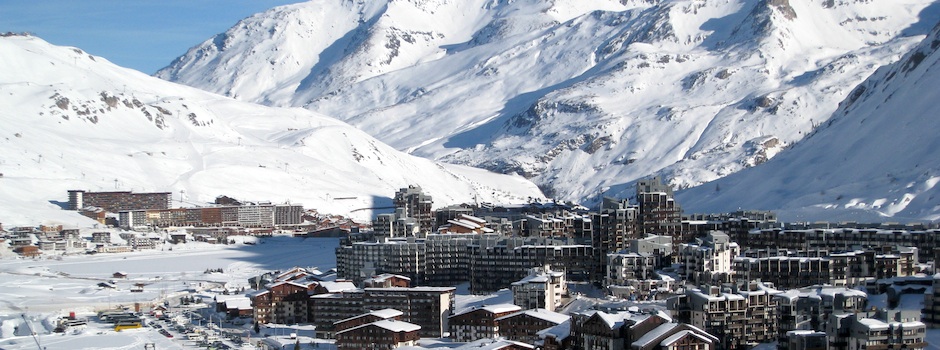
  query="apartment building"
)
[
  {"x": 543, "y": 288},
  {"x": 496, "y": 264},
  {"x": 633, "y": 276},
  {"x": 845, "y": 239},
  {"x": 809, "y": 309},
  {"x": 118, "y": 200},
  {"x": 612, "y": 228},
  {"x": 490, "y": 262},
  {"x": 659, "y": 213},
  {"x": 790, "y": 270},
  {"x": 101, "y": 237},
  {"x": 417, "y": 205},
  {"x": 427, "y": 307},
  {"x": 709, "y": 259},
  {"x": 739, "y": 317},
  {"x": 288, "y": 215},
  {"x": 932, "y": 304},
  {"x": 879, "y": 329}
]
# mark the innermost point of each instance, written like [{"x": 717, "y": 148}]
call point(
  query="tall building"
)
[
  {"x": 416, "y": 205},
  {"x": 288, "y": 214},
  {"x": 611, "y": 230},
  {"x": 659, "y": 213}
]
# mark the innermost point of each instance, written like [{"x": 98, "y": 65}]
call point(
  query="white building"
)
[
  {"x": 543, "y": 288},
  {"x": 709, "y": 260}
]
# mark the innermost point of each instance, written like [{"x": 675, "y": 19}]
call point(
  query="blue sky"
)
[{"x": 145, "y": 35}]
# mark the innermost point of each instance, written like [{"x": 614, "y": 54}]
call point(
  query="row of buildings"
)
[
  {"x": 148, "y": 210},
  {"x": 253, "y": 215},
  {"x": 386, "y": 313},
  {"x": 816, "y": 317}
]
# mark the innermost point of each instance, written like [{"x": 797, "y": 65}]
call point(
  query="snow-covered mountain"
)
[
  {"x": 877, "y": 157},
  {"x": 582, "y": 97},
  {"x": 71, "y": 120}
]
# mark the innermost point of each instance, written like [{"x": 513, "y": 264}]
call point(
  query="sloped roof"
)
[
  {"x": 655, "y": 334},
  {"x": 335, "y": 287},
  {"x": 383, "y": 314},
  {"x": 390, "y": 325},
  {"x": 682, "y": 334},
  {"x": 560, "y": 332},
  {"x": 542, "y": 314},
  {"x": 493, "y": 344},
  {"x": 495, "y": 309}
]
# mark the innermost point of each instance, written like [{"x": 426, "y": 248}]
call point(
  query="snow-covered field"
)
[{"x": 46, "y": 289}]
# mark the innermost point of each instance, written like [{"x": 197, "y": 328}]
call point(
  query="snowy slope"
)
[
  {"x": 75, "y": 121},
  {"x": 582, "y": 97},
  {"x": 878, "y": 156}
]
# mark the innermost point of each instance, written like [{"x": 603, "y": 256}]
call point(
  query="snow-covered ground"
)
[{"x": 45, "y": 289}]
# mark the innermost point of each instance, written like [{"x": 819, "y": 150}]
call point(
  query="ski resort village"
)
[{"x": 631, "y": 274}]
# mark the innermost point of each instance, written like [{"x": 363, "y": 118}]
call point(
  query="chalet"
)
[
  {"x": 177, "y": 238},
  {"x": 281, "y": 302},
  {"x": 670, "y": 336},
  {"x": 366, "y": 318},
  {"x": 495, "y": 344},
  {"x": 29, "y": 251},
  {"x": 384, "y": 334},
  {"x": 464, "y": 224},
  {"x": 326, "y": 287},
  {"x": 119, "y": 274},
  {"x": 524, "y": 325},
  {"x": 234, "y": 306},
  {"x": 479, "y": 322},
  {"x": 617, "y": 330},
  {"x": 386, "y": 280}
]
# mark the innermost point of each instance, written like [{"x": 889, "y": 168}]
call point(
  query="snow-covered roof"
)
[
  {"x": 542, "y": 314},
  {"x": 681, "y": 334},
  {"x": 383, "y": 314},
  {"x": 560, "y": 332},
  {"x": 391, "y": 325},
  {"x": 493, "y": 344},
  {"x": 414, "y": 289},
  {"x": 873, "y": 324},
  {"x": 495, "y": 308},
  {"x": 819, "y": 291},
  {"x": 242, "y": 303},
  {"x": 385, "y": 276},
  {"x": 336, "y": 287},
  {"x": 655, "y": 333}
]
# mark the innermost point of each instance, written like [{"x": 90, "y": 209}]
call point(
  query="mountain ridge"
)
[
  {"x": 76, "y": 121},
  {"x": 875, "y": 159},
  {"x": 580, "y": 96}
]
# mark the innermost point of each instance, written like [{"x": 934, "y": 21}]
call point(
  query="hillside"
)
[
  {"x": 75, "y": 121},
  {"x": 877, "y": 158},
  {"x": 582, "y": 97}
]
